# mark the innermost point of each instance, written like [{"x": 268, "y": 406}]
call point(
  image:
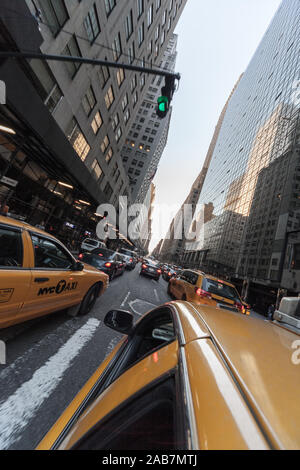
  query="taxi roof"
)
[
  {"x": 197, "y": 271},
  {"x": 259, "y": 355},
  {"x": 22, "y": 225}
]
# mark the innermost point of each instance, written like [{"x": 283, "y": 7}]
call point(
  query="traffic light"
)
[{"x": 164, "y": 101}]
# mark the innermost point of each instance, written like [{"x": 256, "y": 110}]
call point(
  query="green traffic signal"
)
[{"x": 163, "y": 105}]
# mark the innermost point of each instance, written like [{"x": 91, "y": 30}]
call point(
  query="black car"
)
[
  {"x": 169, "y": 273},
  {"x": 110, "y": 262},
  {"x": 129, "y": 261},
  {"x": 151, "y": 269}
]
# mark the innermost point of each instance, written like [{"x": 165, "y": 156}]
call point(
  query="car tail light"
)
[
  {"x": 80, "y": 256},
  {"x": 240, "y": 306},
  {"x": 169, "y": 274},
  {"x": 159, "y": 271},
  {"x": 144, "y": 266},
  {"x": 202, "y": 293},
  {"x": 131, "y": 260},
  {"x": 100, "y": 254},
  {"x": 108, "y": 265}
]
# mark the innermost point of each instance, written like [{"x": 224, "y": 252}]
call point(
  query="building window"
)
[
  {"x": 104, "y": 75},
  {"x": 125, "y": 102},
  {"x": 55, "y": 13},
  {"x": 115, "y": 121},
  {"x": 133, "y": 84},
  {"x": 135, "y": 99},
  {"x": 120, "y": 76},
  {"x": 118, "y": 134},
  {"x": 77, "y": 140},
  {"x": 109, "y": 6},
  {"x": 105, "y": 143},
  {"x": 72, "y": 49},
  {"x": 150, "y": 16},
  {"x": 129, "y": 25},
  {"x": 89, "y": 101},
  {"x": 141, "y": 34},
  {"x": 117, "y": 47},
  {"x": 97, "y": 122},
  {"x": 131, "y": 53},
  {"x": 109, "y": 155},
  {"x": 140, "y": 7},
  {"x": 91, "y": 24},
  {"x": 108, "y": 190},
  {"x": 97, "y": 170},
  {"x": 127, "y": 116},
  {"x": 109, "y": 97},
  {"x": 46, "y": 85}
]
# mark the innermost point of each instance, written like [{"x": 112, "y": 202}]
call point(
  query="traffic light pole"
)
[{"x": 83, "y": 60}]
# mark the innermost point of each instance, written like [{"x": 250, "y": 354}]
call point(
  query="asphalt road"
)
[{"x": 48, "y": 360}]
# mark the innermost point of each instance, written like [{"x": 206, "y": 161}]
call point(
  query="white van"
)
[{"x": 90, "y": 244}]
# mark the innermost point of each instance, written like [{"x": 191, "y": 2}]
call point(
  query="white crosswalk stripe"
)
[{"x": 22, "y": 405}]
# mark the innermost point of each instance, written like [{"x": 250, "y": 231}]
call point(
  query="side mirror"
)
[
  {"x": 119, "y": 320},
  {"x": 78, "y": 266}
]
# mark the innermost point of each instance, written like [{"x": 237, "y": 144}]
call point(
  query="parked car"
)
[
  {"x": 90, "y": 244},
  {"x": 151, "y": 269},
  {"x": 38, "y": 276},
  {"x": 107, "y": 261},
  {"x": 188, "y": 377}
]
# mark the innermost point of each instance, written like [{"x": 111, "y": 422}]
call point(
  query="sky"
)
[{"x": 217, "y": 39}]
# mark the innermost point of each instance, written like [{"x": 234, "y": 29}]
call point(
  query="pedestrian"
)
[
  {"x": 271, "y": 311},
  {"x": 4, "y": 209}
]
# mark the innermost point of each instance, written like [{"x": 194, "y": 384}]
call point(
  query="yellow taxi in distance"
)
[
  {"x": 188, "y": 377},
  {"x": 202, "y": 289},
  {"x": 38, "y": 276}
]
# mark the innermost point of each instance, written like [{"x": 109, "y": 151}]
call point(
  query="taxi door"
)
[
  {"x": 191, "y": 286},
  {"x": 15, "y": 275},
  {"x": 180, "y": 288},
  {"x": 54, "y": 284}
]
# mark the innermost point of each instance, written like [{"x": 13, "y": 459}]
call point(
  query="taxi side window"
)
[
  {"x": 50, "y": 255},
  {"x": 192, "y": 278},
  {"x": 151, "y": 420},
  {"x": 11, "y": 248}
]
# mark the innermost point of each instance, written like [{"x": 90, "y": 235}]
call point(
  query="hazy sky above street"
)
[{"x": 217, "y": 39}]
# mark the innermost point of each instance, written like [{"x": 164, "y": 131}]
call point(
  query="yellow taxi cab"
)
[
  {"x": 188, "y": 377},
  {"x": 38, "y": 276},
  {"x": 202, "y": 289}
]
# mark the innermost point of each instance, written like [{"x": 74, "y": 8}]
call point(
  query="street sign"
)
[{"x": 9, "y": 181}]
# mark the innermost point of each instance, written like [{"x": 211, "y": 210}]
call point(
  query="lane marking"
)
[
  {"x": 156, "y": 295},
  {"x": 144, "y": 306},
  {"x": 22, "y": 405},
  {"x": 125, "y": 300}
]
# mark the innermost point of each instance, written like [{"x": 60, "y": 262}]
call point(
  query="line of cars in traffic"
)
[
  {"x": 112, "y": 263},
  {"x": 40, "y": 276},
  {"x": 189, "y": 374}
]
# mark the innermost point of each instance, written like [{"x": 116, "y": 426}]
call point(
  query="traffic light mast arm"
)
[{"x": 84, "y": 60}]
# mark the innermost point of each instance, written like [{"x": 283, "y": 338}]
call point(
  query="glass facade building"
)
[{"x": 250, "y": 201}]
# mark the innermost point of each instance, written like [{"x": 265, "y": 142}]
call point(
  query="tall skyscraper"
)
[
  {"x": 252, "y": 183},
  {"x": 172, "y": 248},
  {"x": 148, "y": 135}
]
